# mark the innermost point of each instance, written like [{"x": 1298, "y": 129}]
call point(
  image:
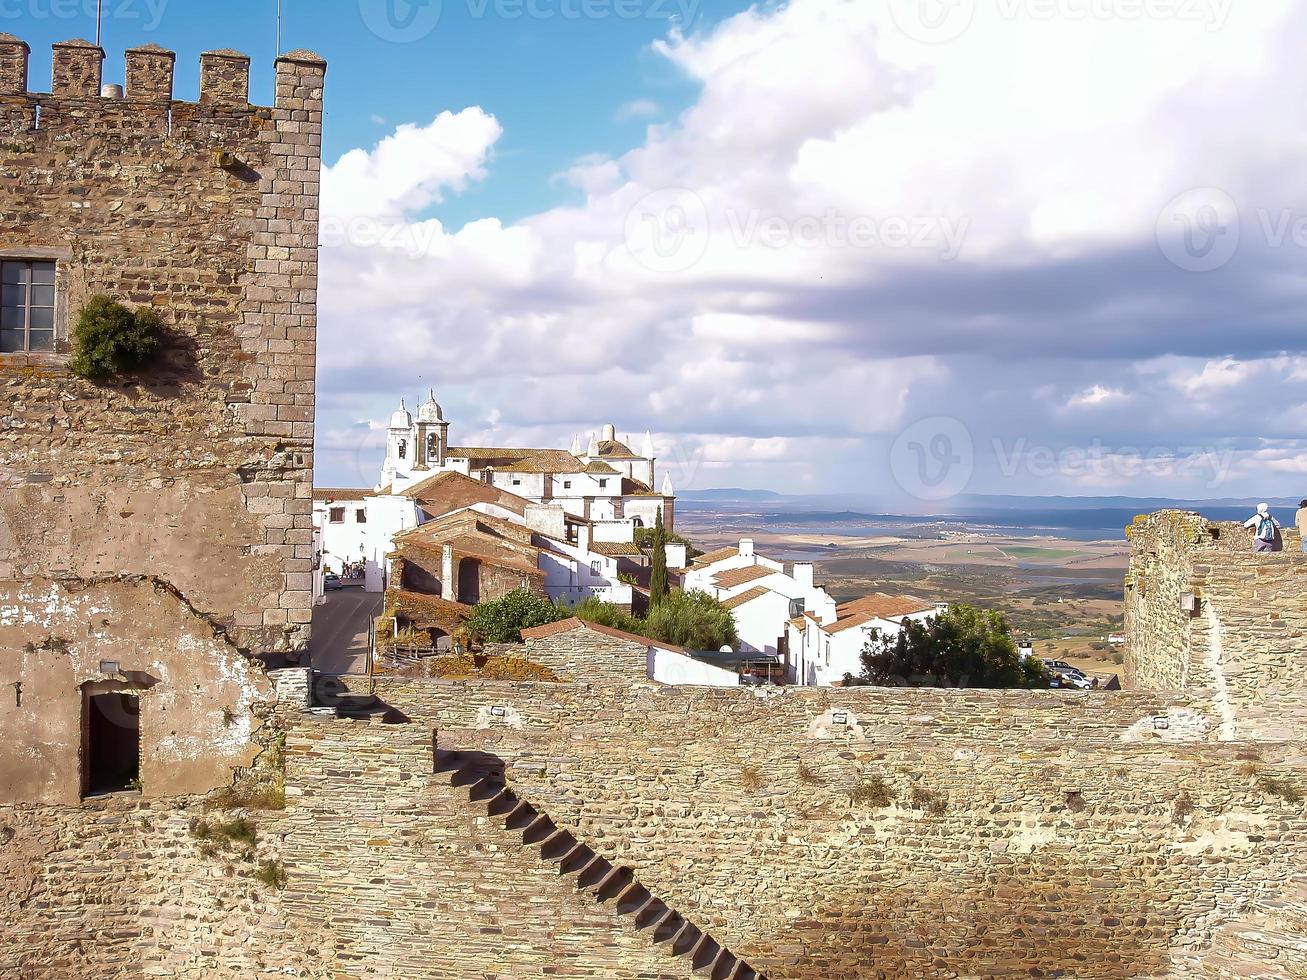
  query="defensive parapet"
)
[
  {"x": 193, "y": 473},
  {"x": 1204, "y": 611}
]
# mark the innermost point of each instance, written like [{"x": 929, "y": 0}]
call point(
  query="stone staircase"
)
[{"x": 482, "y": 777}]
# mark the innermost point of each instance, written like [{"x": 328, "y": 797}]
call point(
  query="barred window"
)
[{"x": 26, "y": 307}]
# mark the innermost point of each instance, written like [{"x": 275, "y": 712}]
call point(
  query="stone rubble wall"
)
[
  {"x": 822, "y": 835},
  {"x": 584, "y": 653},
  {"x": 1246, "y": 643},
  {"x": 927, "y": 833}
]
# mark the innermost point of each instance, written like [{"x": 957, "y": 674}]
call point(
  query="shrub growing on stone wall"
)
[
  {"x": 502, "y": 620},
  {"x": 873, "y": 791},
  {"x": 110, "y": 339}
]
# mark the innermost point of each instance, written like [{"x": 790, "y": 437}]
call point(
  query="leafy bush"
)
[
  {"x": 752, "y": 779},
  {"x": 694, "y": 620},
  {"x": 594, "y": 610},
  {"x": 964, "y": 647},
  {"x": 930, "y": 801},
  {"x": 644, "y": 537},
  {"x": 502, "y": 620},
  {"x": 110, "y": 338}
]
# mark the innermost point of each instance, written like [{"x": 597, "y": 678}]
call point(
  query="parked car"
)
[{"x": 331, "y": 582}]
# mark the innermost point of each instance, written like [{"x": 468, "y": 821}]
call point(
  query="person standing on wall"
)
[
  {"x": 1266, "y": 529},
  {"x": 1301, "y": 520}
]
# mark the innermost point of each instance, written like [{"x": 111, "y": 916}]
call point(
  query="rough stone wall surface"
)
[
  {"x": 413, "y": 884},
  {"x": 823, "y": 835},
  {"x": 119, "y": 888},
  {"x": 195, "y": 471},
  {"x": 933, "y": 834},
  {"x": 1246, "y": 641},
  {"x": 585, "y": 655},
  {"x": 199, "y": 695}
]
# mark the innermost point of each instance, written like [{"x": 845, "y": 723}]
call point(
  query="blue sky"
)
[
  {"x": 556, "y": 81},
  {"x": 886, "y": 246}
]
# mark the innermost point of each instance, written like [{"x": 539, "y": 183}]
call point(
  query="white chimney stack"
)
[
  {"x": 804, "y": 574},
  {"x": 746, "y": 547}
]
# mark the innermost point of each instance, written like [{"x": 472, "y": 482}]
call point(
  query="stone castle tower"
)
[{"x": 155, "y": 527}]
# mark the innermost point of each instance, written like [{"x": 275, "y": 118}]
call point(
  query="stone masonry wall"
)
[
  {"x": 198, "y": 469},
  {"x": 583, "y": 654},
  {"x": 195, "y": 472},
  {"x": 1246, "y": 641},
  {"x": 823, "y": 835}
]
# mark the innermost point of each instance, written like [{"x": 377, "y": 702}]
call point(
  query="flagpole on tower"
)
[
  {"x": 99, "y": 18},
  {"x": 278, "y": 52}
]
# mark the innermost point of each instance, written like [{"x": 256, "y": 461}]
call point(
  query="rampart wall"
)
[
  {"x": 1243, "y": 634},
  {"x": 818, "y": 834}
]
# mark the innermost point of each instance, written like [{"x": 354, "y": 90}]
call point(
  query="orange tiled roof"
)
[
  {"x": 744, "y": 598},
  {"x": 544, "y": 461},
  {"x": 426, "y": 611},
  {"x": 613, "y": 449},
  {"x": 733, "y": 577},
  {"x": 878, "y": 605},
  {"x": 447, "y": 492},
  {"x": 713, "y": 557},
  {"x": 616, "y": 549},
  {"x": 340, "y": 493}
]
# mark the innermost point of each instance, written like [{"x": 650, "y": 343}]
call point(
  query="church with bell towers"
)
[{"x": 600, "y": 478}]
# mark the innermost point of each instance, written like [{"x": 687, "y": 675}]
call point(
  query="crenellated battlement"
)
[{"x": 78, "y": 75}]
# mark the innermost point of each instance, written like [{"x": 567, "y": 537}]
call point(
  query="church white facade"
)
[{"x": 602, "y": 480}]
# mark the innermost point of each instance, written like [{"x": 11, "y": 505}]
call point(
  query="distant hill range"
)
[{"x": 1102, "y": 511}]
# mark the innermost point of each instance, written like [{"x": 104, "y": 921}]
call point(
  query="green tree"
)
[
  {"x": 964, "y": 647},
  {"x": 110, "y": 339},
  {"x": 658, "y": 574},
  {"x": 693, "y": 619},
  {"x": 644, "y": 538},
  {"x": 502, "y": 620}
]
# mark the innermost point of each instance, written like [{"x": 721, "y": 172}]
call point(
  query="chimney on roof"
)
[
  {"x": 576, "y": 444},
  {"x": 609, "y": 433},
  {"x": 804, "y": 574},
  {"x": 593, "y": 450},
  {"x": 746, "y": 547}
]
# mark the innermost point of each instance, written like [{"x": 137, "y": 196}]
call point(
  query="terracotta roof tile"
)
[
  {"x": 744, "y": 598},
  {"x": 616, "y": 549},
  {"x": 733, "y": 577},
  {"x": 340, "y": 493},
  {"x": 878, "y": 605},
  {"x": 713, "y": 557}
]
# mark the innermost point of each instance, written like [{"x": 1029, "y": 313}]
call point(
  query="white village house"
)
[{"x": 788, "y": 616}]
